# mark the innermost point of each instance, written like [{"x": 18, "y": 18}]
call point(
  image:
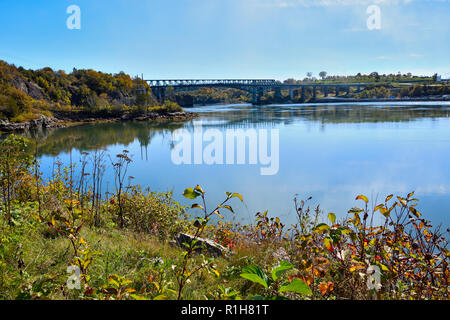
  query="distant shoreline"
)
[
  {"x": 341, "y": 100},
  {"x": 421, "y": 99},
  {"x": 334, "y": 100}
]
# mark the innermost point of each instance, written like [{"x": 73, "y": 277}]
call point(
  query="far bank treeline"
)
[{"x": 27, "y": 93}]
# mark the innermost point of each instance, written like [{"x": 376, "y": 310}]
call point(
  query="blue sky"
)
[{"x": 228, "y": 38}]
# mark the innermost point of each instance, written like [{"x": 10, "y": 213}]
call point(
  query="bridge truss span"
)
[{"x": 257, "y": 87}]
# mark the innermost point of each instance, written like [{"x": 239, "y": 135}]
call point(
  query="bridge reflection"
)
[{"x": 97, "y": 136}]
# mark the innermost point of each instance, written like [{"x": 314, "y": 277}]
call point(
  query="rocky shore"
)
[
  {"x": 36, "y": 124},
  {"x": 64, "y": 119}
]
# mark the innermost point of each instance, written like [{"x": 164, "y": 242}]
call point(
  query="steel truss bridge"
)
[{"x": 255, "y": 86}]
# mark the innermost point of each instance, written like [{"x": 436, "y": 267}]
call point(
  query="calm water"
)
[{"x": 330, "y": 152}]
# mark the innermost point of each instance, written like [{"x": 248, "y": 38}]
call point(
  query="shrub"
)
[{"x": 149, "y": 212}]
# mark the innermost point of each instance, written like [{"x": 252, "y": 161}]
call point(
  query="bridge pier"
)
[
  {"x": 291, "y": 93},
  {"x": 337, "y": 91},
  {"x": 325, "y": 91},
  {"x": 314, "y": 92},
  {"x": 160, "y": 94},
  {"x": 278, "y": 95},
  {"x": 257, "y": 95}
]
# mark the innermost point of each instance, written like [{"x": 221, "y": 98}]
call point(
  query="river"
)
[{"x": 331, "y": 152}]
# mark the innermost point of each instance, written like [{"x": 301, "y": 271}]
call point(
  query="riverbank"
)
[
  {"x": 65, "y": 119},
  {"x": 421, "y": 99}
]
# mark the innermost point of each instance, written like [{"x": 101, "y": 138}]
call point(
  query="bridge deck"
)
[{"x": 241, "y": 82}]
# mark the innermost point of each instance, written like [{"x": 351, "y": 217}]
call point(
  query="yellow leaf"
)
[
  {"x": 238, "y": 196},
  {"x": 385, "y": 212},
  {"x": 196, "y": 205},
  {"x": 199, "y": 189},
  {"x": 362, "y": 197},
  {"x": 216, "y": 273},
  {"x": 414, "y": 212},
  {"x": 378, "y": 207},
  {"x": 218, "y": 213},
  {"x": 402, "y": 201}
]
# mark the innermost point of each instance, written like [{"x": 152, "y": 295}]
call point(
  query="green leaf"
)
[
  {"x": 282, "y": 268},
  {"x": 255, "y": 278},
  {"x": 336, "y": 236},
  {"x": 322, "y": 227},
  {"x": 190, "y": 193},
  {"x": 332, "y": 217},
  {"x": 113, "y": 282},
  {"x": 297, "y": 286},
  {"x": 255, "y": 274}
]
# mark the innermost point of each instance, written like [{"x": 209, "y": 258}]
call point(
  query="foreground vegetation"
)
[{"x": 121, "y": 243}]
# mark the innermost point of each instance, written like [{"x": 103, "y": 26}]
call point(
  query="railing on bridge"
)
[{"x": 213, "y": 82}]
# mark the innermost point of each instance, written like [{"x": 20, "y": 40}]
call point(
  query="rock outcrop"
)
[
  {"x": 36, "y": 124},
  {"x": 205, "y": 245},
  {"x": 28, "y": 87}
]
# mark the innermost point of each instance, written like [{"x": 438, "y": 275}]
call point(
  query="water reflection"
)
[
  {"x": 91, "y": 137},
  {"x": 330, "y": 152}
]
